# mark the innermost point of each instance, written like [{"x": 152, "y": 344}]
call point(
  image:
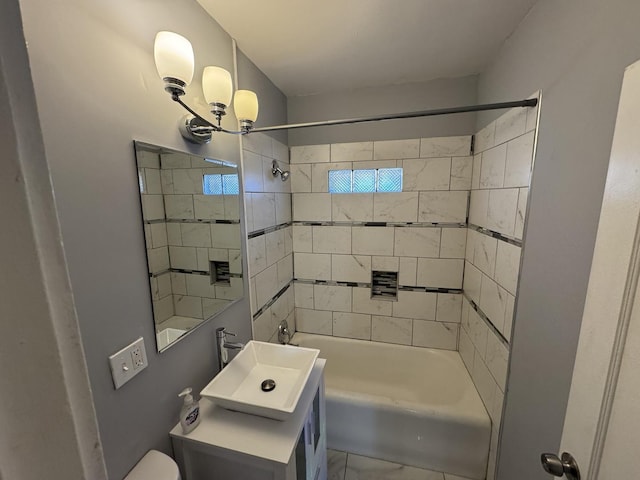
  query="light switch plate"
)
[{"x": 128, "y": 362}]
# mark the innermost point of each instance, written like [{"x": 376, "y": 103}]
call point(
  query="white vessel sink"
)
[{"x": 239, "y": 386}]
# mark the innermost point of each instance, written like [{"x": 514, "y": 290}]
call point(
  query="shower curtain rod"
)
[{"x": 532, "y": 102}]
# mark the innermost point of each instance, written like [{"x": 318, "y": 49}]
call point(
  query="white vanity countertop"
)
[{"x": 256, "y": 436}]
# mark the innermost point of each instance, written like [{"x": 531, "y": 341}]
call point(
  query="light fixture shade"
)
[
  {"x": 217, "y": 86},
  {"x": 245, "y": 104},
  {"x": 174, "y": 57}
]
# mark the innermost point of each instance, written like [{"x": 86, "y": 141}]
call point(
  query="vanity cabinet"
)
[{"x": 234, "y": 445}]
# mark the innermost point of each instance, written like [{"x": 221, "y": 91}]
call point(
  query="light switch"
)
[{"x": 128, "y": 362}]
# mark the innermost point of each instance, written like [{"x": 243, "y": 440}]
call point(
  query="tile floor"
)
[{"x": 348, "y": 466}]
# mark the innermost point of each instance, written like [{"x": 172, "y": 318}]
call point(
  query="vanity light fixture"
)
[
  {"x": 175, "y": 64},
  {"x": 174, "y": 59}
]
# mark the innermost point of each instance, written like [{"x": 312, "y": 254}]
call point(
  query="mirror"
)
[{"x": 191, "y": 219}]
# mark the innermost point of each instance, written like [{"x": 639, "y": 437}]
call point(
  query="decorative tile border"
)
[
  {"x": 273, "y": 300},
  {"x": 406, "y": 288},
  {"x": 379, "y": 224},
  {"x": 491, "y": 233},
  {"x": 264, "y": 231},
  {"x": 486, "y": 320}
]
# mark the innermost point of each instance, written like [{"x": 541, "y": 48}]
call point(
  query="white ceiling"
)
[{"x": 313, "y": 46}]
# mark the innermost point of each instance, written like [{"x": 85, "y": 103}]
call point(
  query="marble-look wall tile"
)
[
  {"x": 395, "y": 207},
  {"x": 351, "y": 152},
  {"x": 300, "y": 178},
  {"x": 475, "y": 175},
  {"x": 158, "y": 259},
  {"x": 416, "y": 305},
  {"x": 443, "y": 207},
  {"x": 179, "y": 207},
  {"x": 183, "y": 258},
  {"x": 274, "y": 244},
  {"x": 264, "y": 210},
  {"x": 195, "y": 235},
  {"x": 472, "y": 282},
  {"x": 158, "y": 233},
  {"x": 449, "y": 307},
  {"x": 508, "y": 317},
  {"x": 497, "y": 360},
  {"x": 453, "y": 242},
  {"x": 313, "y": 207},
  {"x": 352, "y": 325},
  {"x": 363, "y": 303},
  {"x": 175, "y": 160},
  {"x": 440, "y": 272},
  {"x": 445, "y": 146},
  {"x": 153, "y": 207},
  {"x": 391, "y": 330},
  {"x": 200, "y": 286},
  {"x": 350, "y": 268},
  {"x": 493, "y": 165},
  {"x": 521, "y": 213},
  {"x": 484, "y": 256},
  {"x": 224, "y": 236},
  {"x": 426, "y": 174},
  {"x": 371, "y": 241},
  {"x": 485, "y": 138},
  {"x": 259, "y": 143},
  {"x": 262, "y": 326},
  {"x": 478, "y": 207},
  {"x": 385, "y": 264},
  {"x": 186, "y": 306},
  {"x": 328, "y": 239},
  {"x": 461, "y": 173},
  {"x": 310, "y": 154},
  {"x": 253, "y": 174},
  {"x": 302, "y": 238},
  {"x": 501, "y": 212},
  {"x": 396, "y": 149},
  {"x": 283, "y": 208},
  {"x": 518, "y": 161},
  {"x": 314, "y": 321},
  {"x": 303, "y": 294},
  {"x": 312, "y": 266},
  {"x": 511, "y": 125},
  {"x": 355, "y": 207},
  {"x": 435, "y": 334},
  {"x": 507, "y": 266},
  {"x": 266, "y": 285},
  {"x": 334, "y": 298},
  {"x": 466, "y": 349},
  {"x": 407, "y": 272},
  {"x": 493, "y": 301},
  {"x": 417, "y": 242},
  {"x": 484, "y": 382}
]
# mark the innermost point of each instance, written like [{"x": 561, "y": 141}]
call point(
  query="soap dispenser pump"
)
[{"x": 190, "y": 412}]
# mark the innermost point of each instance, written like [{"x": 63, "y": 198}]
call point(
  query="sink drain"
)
[{"x": 268, "y": 385}]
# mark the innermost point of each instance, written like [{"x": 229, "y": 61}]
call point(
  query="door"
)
[{"x": 602, "y": 424}]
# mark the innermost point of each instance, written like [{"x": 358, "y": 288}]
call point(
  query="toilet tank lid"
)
[{"x": 154, "y": 466}]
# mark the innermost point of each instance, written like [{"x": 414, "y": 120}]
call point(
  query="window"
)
[
  {"x": 220, "y": 184},
  {"x": 364, "y": 181}
]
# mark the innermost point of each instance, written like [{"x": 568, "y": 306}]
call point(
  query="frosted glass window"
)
[
  {"x": 230, "y": 184},
  {"x": 212, "y": 184},
  {"x": 340, "y": 181},
  {"x": 217, "y": 184},
  {"x": 365, "y": 181},
  {"x": 389, "y": 180}
]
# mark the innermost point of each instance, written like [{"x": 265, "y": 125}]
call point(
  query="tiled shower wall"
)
[
  {"x": 420, "y": 233},
  {"x": 501, "y": 172},
  {"x": 269, "y": 244}
]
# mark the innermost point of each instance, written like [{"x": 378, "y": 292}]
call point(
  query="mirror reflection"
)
[{"x": 191, "y": 218}]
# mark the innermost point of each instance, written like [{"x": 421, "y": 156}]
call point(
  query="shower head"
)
[{"x": 275, "y": 170}]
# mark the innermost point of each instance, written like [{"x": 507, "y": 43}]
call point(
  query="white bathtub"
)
[{"x": 415, "y": 406}]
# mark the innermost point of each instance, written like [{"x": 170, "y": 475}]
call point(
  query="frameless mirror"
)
[{"x": 191, "y": 218}]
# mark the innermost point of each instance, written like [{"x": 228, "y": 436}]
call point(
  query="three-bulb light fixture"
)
[{"x": 175, "y": 64}]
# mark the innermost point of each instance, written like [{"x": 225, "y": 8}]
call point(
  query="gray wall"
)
[
  {"x": 46, "y": 409},
  {"x": 272, "y": 102},
  {"x": 575, "y": 51},
  {"x": 449, "y": 92},
  {"x": 97, "y": 90}
]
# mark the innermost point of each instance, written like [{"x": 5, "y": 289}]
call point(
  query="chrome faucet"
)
[
  {"x": 284, "y": 334},
  {"x": 224, "y": 346}
]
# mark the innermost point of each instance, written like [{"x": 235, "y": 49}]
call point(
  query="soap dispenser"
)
[{"x": 190, "y": 412}]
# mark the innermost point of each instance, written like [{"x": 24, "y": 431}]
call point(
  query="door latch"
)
[{"x": 565, "y": 465}]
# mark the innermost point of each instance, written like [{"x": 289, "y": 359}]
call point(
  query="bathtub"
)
[{"x": 409, "y": 405}]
